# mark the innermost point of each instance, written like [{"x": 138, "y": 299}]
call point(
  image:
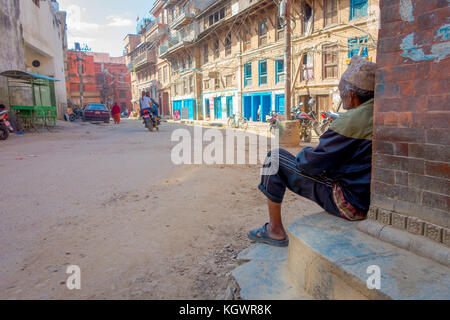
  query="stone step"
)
[
  {"x": 329, "y": 259},
  {"x": 265, "y": 276}
]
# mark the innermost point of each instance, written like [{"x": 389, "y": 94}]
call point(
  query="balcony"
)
[
  {"x": 182, "y": 19},
  {"x": 144, "y": 59},
  {"x": 157, "y": 32}
]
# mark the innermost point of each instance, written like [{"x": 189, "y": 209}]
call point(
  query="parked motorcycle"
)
[
  {"x": 272, "y": 119},
  {"x": 77, "y": 113},
  {"x": 5, "y": 125},
  {"x": 327, "y": 119},
  {"x": 150, "y": 120}
]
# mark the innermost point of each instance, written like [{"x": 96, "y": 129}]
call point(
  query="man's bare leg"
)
[{"x": 275, "y": 228}]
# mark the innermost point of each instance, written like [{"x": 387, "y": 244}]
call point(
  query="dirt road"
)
[{"x": 109, "y": 199}]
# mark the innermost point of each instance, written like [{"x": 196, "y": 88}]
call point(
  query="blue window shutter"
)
[
  {"x": 262, "y": 72},
  {"x": 247, "y": 73},
  {"x": 358, "y": 8},
  {"x": 279, "y": 68},
  {"x": 354, "y": 44}
]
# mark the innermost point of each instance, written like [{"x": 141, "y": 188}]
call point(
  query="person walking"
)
[{"x": 116, "y": 113}]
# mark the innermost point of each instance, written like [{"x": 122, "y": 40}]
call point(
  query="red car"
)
[{"x": 96, "y": 112}]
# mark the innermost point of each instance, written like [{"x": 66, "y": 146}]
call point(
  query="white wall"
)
[{"x": 44, "y": 41}]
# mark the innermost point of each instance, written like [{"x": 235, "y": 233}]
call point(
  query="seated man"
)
[{"x": 336, "y": 174}]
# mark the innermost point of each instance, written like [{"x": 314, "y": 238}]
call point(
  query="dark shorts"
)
[{"x": 287, "y": 175}]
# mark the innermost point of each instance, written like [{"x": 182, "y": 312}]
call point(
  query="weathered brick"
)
[
  {"x": 440, "y": 71},
  {"x": 434, "y": 200},
  {"x": 401, "y": 149},
  {"x": 441, "y": 136},
  {"x": 401, "y": 178},
  {"x": 433, "y": 215},
  {"x": 390, "y": 162},
  {"x": 427, "y": 6},
  {"x": 384, "y": 216},
  {"x": 437, "y": 169},
  {"x": 398, "y": 221},
  {"x": 439, "y": 103},
  {"x": 387, "y": 90},
  {"x": 415, "y": 225},
  {"x": 407, "y": 88},
  {"x": 446, "y": 237},
  {"x": 405, "y": 119},
  {"x": 436, "y": 152},
  {"x": 372, "y": 213},
  {"x": 387, "y": 190},
  {"x": 391, "y": 119},
  {"x": 413, "y": 135},
  {"x": 380, "y": 201},
  {"x": 416, "y": 150},
  {"x": 431, "y": 184},
  {"x": 433, "y": 232},
  {"x": 416, "y": 166},
  {"x": 385, "y": 176},
  {"x": 409, "y": 194},
  {"x": 383, "y": 147},
  {"x": 389, "y": 14},
  {"x": 436, "y": 120}
]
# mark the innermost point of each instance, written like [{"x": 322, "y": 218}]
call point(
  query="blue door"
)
[
  {"x": 207, "y": 111},
  {"x": 218, "y": 108},
  {"x": 229, "y": 106},
  {"x": 190, "y": 105},
  {"x": 247, "y": 107},
  {"x": 279, "y": 103},
  {"x": 266, "y": 106},
  {"x": 255, "y": 107}
]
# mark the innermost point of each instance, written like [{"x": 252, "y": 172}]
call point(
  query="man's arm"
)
[{"x": 332, "y": 150}]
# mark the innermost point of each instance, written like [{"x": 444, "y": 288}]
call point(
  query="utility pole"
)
[
  {"x": 80, "y": 75},
  {"x": 288, "y": 57}
]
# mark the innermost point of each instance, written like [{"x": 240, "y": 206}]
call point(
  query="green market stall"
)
[{"x": 42, "y": 112}]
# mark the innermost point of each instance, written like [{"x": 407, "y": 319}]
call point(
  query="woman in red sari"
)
[{"x": 115, "y": 111}]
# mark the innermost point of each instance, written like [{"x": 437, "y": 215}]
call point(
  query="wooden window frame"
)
[
  {"x": 330, "y": 16},
  {"x": 327, "y": 50},
  {"x": 262, "y": 38}
]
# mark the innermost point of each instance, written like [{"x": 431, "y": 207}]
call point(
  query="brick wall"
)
[{"x": 411, "y": 176}]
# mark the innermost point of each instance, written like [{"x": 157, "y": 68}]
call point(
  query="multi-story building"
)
[
  {"x": 228, "y": 57},
  {"x": 242, "y": 53},
  {"x": 327, "y": 34},
  {"x": 33, "y": 39},
  {"x": 104, "y": 79},
  {"x": 150, "y": 72},
  {"x": 183, "y": 54}
]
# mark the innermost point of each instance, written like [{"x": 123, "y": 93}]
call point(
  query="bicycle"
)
[{"x": 240, "y": 122}]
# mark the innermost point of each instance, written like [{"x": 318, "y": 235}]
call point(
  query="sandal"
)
[{"x": 261, "y": 235}]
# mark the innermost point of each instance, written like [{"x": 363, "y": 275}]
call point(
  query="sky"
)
[{"x": 103, "y": 24}]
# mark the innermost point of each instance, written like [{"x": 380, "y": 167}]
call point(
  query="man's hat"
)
[{"x": 361, "y": 73}]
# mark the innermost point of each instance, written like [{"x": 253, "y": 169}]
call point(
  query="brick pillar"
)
[{"x": 411, "y": 154}]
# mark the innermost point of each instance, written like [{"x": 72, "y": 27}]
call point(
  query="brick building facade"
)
[
  {"x": 105, "y": 79},
  {"x": 411, "y": 174}
]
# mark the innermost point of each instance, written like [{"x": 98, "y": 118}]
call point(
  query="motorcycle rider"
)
[{"x": 145, "y": 102}]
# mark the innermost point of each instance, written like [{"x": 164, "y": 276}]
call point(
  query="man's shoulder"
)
[{"x": 356, "y": 123}]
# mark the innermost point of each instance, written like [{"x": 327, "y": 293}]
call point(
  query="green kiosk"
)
[{"x": 42, "y": 113}]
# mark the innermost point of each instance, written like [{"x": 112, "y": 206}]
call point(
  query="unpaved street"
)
[{"x": 108, "y": 199}]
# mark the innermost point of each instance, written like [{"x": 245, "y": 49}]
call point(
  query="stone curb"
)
[{"x": 405, "y": 240}]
